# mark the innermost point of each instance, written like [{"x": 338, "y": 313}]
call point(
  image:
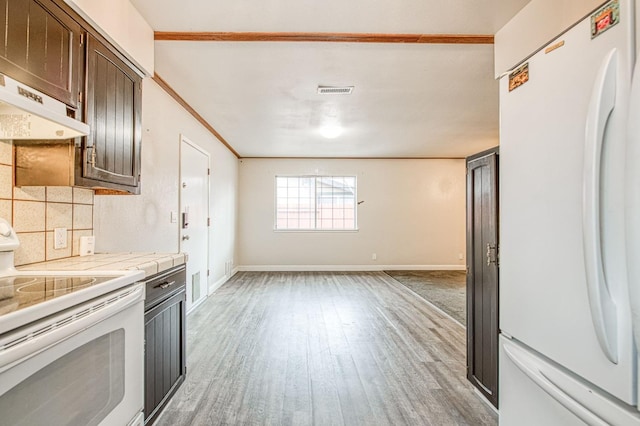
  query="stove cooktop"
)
[
  {"x": 22, "y": 291},
  {"x": 30, "y": 296}
]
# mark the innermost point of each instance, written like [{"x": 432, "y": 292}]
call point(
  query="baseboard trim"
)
[
  {"x": 323, "y": 268},
  {"x": 196, "y": 305},
  {"x": 213, "y": 287},
  {"x": 486, "y": 401}
]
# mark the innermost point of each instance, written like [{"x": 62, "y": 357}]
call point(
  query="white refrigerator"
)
[{"x": 569, "y": 226}]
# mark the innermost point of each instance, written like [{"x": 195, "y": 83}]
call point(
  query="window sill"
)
[{"x": 317, "y": 231}]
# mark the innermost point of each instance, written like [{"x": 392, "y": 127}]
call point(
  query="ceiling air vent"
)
[{"x": 335, "y": 90}]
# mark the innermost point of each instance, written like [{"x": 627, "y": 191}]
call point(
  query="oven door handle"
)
[{"x": 34, "y": 340}]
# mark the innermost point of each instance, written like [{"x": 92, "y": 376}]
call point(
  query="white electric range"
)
[{"x": 71, "y": 344}]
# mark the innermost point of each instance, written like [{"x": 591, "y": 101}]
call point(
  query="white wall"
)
[
  {"x": 534, "y": 26},
  {"x": 143, "y": 222},
  {"x": 122, "y": 25},
  {"x": 413, "y": 216}
]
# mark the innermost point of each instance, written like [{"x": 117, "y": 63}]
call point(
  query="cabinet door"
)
[
  {"x": 113, "y": 110},
  {"x": 165, "y": 357},
  {"x": 482, "y": 275},
  {"x": 40, "y": 46}
]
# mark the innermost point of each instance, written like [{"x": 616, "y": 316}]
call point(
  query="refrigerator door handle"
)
[
  {"x": 603, "y": 308},
  {"x": 632, "y": 203},
  {"x": 573, "y": 394}
]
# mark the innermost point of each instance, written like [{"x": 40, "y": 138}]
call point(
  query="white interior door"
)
[{"x": 194, "y": 216}]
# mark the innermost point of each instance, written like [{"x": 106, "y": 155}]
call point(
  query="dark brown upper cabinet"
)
[
  {"x": 111, "y": 153},
  {"x": 48, "y": 46},
  {"x": 41, "y": 47}
]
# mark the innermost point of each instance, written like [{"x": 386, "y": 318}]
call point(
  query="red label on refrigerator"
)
[
  {"x": 604, "y": 18},
  {"x": 519, "y": 77}
]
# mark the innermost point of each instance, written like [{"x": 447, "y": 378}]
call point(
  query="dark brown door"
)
[
  {"x": 113, "y": 105},
  {"x": 41, "y": 46},
  {"x": 482, "y": 275}
]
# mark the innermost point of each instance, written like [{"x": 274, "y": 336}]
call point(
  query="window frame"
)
[{"x": 315, "y": 230}]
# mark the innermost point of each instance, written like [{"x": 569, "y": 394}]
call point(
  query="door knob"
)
[{"x": 185, "y": 237}]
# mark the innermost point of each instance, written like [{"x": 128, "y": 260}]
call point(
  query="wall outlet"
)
[
  {"x": 460, "y": 256},
  {"x": 59, "y": 238},
  {"x": 374, "y": 256}
]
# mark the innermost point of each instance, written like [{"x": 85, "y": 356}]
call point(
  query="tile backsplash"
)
[{"x": 35, "y": 211}]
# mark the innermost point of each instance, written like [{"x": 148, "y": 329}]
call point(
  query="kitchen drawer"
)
[{"x": 164, "y": 285}]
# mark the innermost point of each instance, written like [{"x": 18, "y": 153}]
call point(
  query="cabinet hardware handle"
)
[{"x": 166, "y": 284}]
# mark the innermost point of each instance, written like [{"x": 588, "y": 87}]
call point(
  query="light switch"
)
[{"x": 174, "y": 217}]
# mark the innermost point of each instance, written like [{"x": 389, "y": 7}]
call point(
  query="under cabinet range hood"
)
[{"x": 26, "y": 113}]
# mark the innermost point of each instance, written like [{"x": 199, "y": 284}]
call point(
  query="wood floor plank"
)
[{"x": 323, "y": 348}]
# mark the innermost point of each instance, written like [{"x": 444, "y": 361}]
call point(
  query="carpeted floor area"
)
[{"x": 445, "y": 289}]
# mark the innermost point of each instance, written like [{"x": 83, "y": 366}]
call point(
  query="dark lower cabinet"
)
[
  {"x": 482, "y": 273},
  {"x": 165, "y": 340}
]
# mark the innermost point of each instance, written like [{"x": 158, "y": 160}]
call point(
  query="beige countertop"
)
[{"x": 150, "y": 263}]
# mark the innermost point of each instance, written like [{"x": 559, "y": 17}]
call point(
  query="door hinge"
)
[
  {"x": 492, "y": 254},
  {"x": 81, "y": 39},
  {"x": 208, "y": 272},
  {"x": 208, "y": 221},
  {"x": 208, "y": 172},
  {"x": 92, "y": 157},
  {"x": 79, "y": 96}
]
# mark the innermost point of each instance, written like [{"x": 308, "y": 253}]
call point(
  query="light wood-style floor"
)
[{"x": 300, "y": 348}]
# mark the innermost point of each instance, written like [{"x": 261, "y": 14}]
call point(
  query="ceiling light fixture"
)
[{"x": 335, "y": 90}]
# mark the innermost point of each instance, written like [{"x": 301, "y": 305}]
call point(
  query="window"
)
[{"x": 316, "y": 203}]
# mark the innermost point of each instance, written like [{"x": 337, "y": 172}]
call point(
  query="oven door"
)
[{"x": 80, "y": 367}]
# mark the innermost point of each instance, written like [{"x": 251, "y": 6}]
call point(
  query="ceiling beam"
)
[
  {"x": 326, "y": 37},
  {"x": 171, "y": 92}
]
